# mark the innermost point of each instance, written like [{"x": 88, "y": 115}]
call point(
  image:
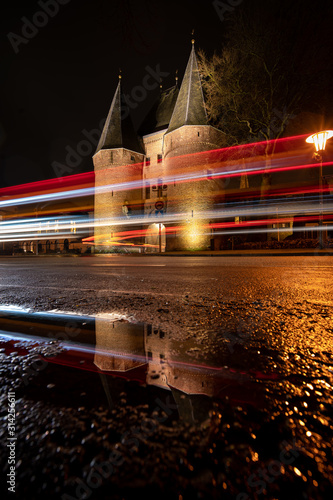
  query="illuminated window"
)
[{"x": 73, "y": 228}]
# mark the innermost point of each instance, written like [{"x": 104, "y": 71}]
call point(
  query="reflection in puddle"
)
[
  {"x": 142, "y": 403},
  {"x": 141, "y": 353}
]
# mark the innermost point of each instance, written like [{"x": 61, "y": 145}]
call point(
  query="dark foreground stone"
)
[{"x": 77, "y": 440}]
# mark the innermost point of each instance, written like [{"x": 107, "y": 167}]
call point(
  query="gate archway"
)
[{"x": 155, "y": 238}]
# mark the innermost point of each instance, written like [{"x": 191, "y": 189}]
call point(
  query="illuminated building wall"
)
[
  {"x": 117, "y": 161},
  {"x": 114, "y": 166},
  {"x": 177, "y": 174},
  {"x": 153, "y": 170},
  {"x": 186, "y": 131},
  {"x": 119, "y": 347},
  {"x": 176, "y": 125},
  {"x": 191, "y": 198}
]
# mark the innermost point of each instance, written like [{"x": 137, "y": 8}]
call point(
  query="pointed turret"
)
[
  {"x": 158, "y": 118},
  {"x": 118, "y": 160},
  {"x": 118, "y": 131},
  {"x": 190, "y": 106}
]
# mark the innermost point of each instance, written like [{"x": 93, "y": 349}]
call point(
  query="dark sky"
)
[{"x": 62, "y": 80}]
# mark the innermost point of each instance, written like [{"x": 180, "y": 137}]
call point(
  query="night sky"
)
[{"x": 62, "y": 81}]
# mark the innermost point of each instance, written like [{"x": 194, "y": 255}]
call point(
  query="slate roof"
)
[
  {"x": 118, "y": 131},
  {"x": 158, "y": 118},
  {"x": 190, "y": 106}
]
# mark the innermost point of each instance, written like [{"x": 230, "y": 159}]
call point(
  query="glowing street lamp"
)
[{"x": 319, "y": 140}]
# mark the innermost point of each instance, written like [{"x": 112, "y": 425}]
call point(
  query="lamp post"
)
[
  {"x": 36, "y": 210},
  {"x": 319, "y": 140}
]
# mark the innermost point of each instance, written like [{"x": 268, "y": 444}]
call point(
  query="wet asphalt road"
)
[
  {"x": 241, "y": 278},
  {"x": 197, "y": 294},
  {"x": 266, "y": 320}
]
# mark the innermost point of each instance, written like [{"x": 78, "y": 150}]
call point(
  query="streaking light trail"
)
[
  {"x": 127, "y": 186},
  {"x": 292, "y": 197},
  {"x": 46, "y": 228}
]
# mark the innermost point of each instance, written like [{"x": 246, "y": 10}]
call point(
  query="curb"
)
[{"x": 244, "y": 253}]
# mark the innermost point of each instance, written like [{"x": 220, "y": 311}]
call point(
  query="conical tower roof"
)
[
  {"x": 190, "y": 106},
  {"x": 160, "y": 114},
  {"x": 118, "y": 131}
]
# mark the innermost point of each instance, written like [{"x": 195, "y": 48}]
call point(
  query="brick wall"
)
[
  {"x": 191, "y": 198},
  {"x": 112, "y": 167}
]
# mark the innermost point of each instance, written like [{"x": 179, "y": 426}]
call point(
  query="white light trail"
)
[
  {"x": 48, "y": 227},
  {"x": 256, "y": 167},
  {"x": 272, "y": 230}
]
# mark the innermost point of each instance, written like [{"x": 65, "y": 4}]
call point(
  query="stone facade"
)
[
  {"x": 192, "y": 199},
  {"x": 114, "y": 167},
  {"x": 176, "y": 128}
]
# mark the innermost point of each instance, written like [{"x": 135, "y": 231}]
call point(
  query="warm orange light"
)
[{"x": 319, "y": 139}]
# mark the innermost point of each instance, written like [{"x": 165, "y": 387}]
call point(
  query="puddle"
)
[
  {"x": 131, "y": 405},
  {"x": 111, "y": 345}
]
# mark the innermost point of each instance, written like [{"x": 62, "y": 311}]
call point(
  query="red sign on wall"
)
[{"x": 159, "y": 205}]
